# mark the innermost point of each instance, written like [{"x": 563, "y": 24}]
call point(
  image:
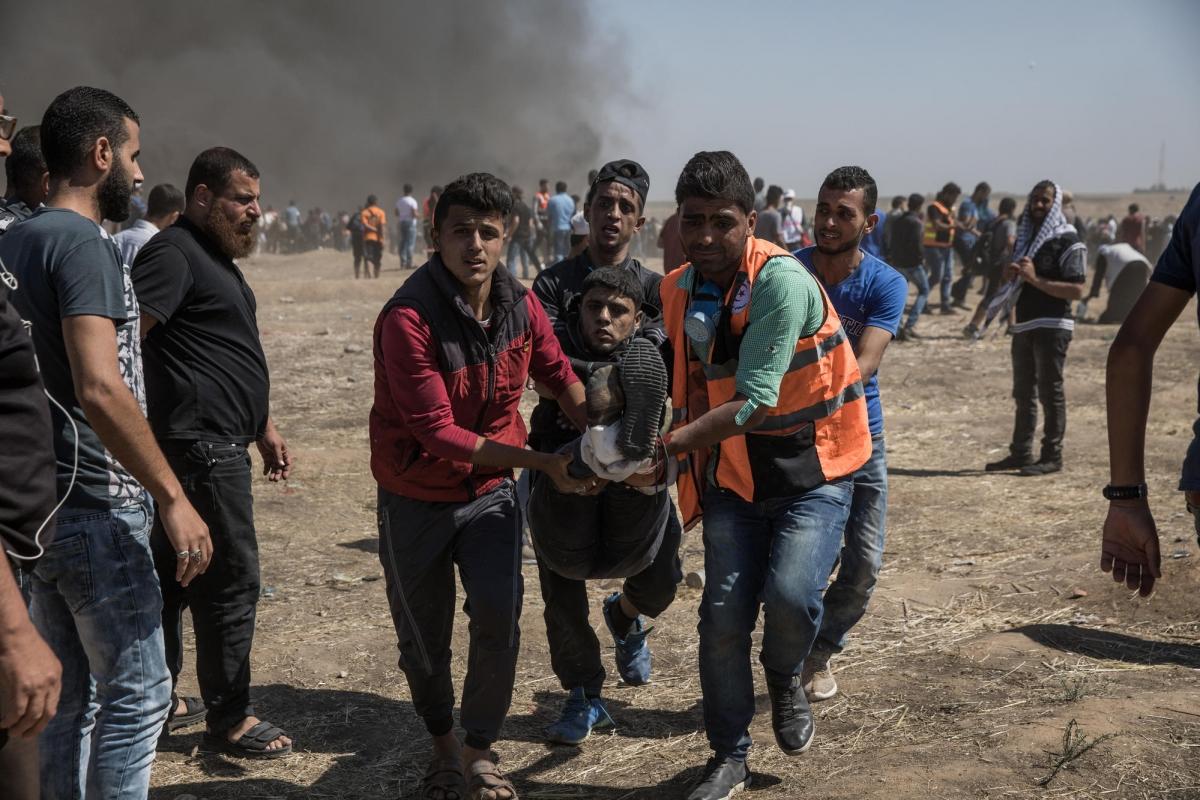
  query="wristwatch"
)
[{"x": 1135, "y": 492}]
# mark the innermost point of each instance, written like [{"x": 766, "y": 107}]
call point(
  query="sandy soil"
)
[{"x": 991, "y": 634}]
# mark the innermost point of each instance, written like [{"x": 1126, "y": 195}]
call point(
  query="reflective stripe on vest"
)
[
  {"x": 934, "y": 237},
  {"x": 820, "y": 400}
]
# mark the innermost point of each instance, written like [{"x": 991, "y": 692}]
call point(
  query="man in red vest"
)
[{"x": 771, "y": 421}]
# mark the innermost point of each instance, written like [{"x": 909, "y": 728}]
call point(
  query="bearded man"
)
[{"x": 207, "y": 388}]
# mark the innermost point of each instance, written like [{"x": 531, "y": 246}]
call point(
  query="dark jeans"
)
[
  {"x": 617, "y": 533},
  {"x": 224, "y": 600},
  {"x": 420, "y": 542},
  {"x": 1038, "y": 357},
  {"x": 920, "y": 279},
  {"x": 775, "y": 555}
]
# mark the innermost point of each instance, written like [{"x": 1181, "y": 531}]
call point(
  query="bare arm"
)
[
  {"x": 30, "y": 675},
  {"x": 871, "y": 346},
  {"x": 115, "y": 415},
  {"x": 714, "y": 427}
]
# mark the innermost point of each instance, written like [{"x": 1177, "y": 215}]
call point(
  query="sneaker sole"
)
[
  {"x": 735, "y": 789},
  {"x": 817, "y": 697}
]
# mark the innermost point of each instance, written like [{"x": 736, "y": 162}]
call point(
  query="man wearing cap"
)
[
  {"x": 613, "y": 209},
  {"x": 793, "y": 222}
]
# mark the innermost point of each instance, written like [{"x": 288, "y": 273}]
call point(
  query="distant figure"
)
[
  {"x": 26, "y": 177},
  {"x": 940, "y": 230},
  {"x": 1051, "y": 265},
  {"x": 137, "y": 207},
  {"x": 760, "y": 194},
  {"x": 671, "y": 245},
  {"x": 1158, "y": 234},
  {"x": 541, "y": 205},
  {"x": 292, "y": 220},
  {"x": 406, "y": 216},
  {"x": 559, "y": 211},
  {"x": 896, "y": 212},
  {"x": 164, "y": 207},
  {"x": 792, "y": 217},
  {"x": 973, "y": 217},
  {"x": 1125, "y": 272},
  {"x": 374, "y": 222},
  {"x": 427, "y": 218},
  {"x": 354, "y": 227},
  {"x": 998, "y": 239},
  {"x": 522, "y": 234},
  {"x": 1132, "y": 229},
  {"x": 1130, "y": 548},
  {"x": 770, "y": 222},
  {"x": 907, "y": 255}
]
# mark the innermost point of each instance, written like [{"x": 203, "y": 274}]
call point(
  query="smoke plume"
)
[{"x": 334, "y": 99}]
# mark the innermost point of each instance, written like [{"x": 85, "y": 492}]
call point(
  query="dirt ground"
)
[{"x": 991, "y": 637}]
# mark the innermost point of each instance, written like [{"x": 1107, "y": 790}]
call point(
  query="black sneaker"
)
[
  {"x": 948, "y": 310},
  {"x": 1009, "y": 462},
  {"x": 911, "y": 333},
  {"x": 1044, "y": 467},
  {"x": 723, "y": 778},
  {"x": 791, "y": 716}
]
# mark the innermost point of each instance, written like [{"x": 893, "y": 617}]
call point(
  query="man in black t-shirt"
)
[
  {"x": 1050, "y": 262},
  {"x": 521, "y": 236},
  {"x": 207, "y": 391},
  {"x": 613, "y": 208}
]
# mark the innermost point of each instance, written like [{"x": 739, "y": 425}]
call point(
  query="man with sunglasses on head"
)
[{"x": 207, "y": 388}]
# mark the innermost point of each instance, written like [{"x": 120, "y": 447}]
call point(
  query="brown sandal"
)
[
  {"x": 444, "y": 780},
  {"x": 484, "y": 777}
]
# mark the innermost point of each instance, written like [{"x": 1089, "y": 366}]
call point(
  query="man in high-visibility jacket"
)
[{"x": 770, "y": 422}]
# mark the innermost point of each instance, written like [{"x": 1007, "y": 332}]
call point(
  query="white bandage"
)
[{"x": 600, "y": 452}]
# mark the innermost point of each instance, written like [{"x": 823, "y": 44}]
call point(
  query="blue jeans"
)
[
  {"x": 408, "y": 241},
  {"x": 940, "y": 262},
  {"x": 562, "y": 244},
  {"x": 920, "y": 279},
  {"x": 96, "y": 602},
  {"x": 776, "y": 554},
  {"x": 1189, "y": 480},
  {"x": 862, "y": 552}
]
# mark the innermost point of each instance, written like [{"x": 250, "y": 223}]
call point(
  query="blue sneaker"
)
[
  {"x": 633, "y": 655},
  {"x": 580, "y": 716}
]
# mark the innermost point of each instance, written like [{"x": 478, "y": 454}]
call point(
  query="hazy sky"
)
[{"x": 1080, "y": 91}]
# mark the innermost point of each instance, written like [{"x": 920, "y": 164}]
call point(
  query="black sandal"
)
[
  {"x": 252, "y": 744},
  {"x": 195, "y": 712},
  {"x": 444, "y": 780}
]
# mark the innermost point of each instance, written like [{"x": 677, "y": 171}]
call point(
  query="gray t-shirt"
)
[
  {"x": 769, "y": 224},
  {"x": 67, "y": 266},
  {"x": 998, "y": 251}
]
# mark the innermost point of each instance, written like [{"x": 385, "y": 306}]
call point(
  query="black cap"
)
[{"x": 628, "y": 173}]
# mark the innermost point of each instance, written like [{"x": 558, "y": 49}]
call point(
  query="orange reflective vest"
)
[
  {"x": 816, "y": 432},
  {"x": 935, "y": 237}
]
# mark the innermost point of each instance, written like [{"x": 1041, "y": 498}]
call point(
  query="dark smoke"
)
[{"x": 336, "y": 99}]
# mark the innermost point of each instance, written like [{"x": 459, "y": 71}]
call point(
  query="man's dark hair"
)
[
  {"x": 915, "y": 201},
  {"x": 847, "y": 179},
  {"x": 1008, "y": 205},
  {"x": 73, "y": 123},
  {"x": 619, "y": 281},
  {"x": 436, "y": 190},
  {"x": 1043, "y": 185},
  {"x": 478, "y": 191},
  {"x": 774, "y": 194},
  {"x": 372, "y": 200},
  {"x": 543, "y": 181},
  {"x": 1134, "y": 208},
  {"x": 560, "y": 187},
  {"x": 898, "y": 201},
  {"x": 517, "y": 191},
  {"x": 716, "y": 175},
  {"x": 983, "y": 187},
  {"x": 215, "y": 167},
  {"x": 951, "y": 189},
  {"x": 408, "y": 188},
  {"x": 164, "y": 199},
  {"x": 26, "y": 165},
  {"x": 759, "y": 183}
]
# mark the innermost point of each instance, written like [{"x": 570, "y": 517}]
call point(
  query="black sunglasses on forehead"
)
[{"x": 8, "y": 126}]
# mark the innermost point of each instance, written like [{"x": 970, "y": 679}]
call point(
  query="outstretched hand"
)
[{"x": 1129, "y": 549}]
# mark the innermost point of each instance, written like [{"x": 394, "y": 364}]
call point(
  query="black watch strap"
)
[{"x": 1135, "y": 492}]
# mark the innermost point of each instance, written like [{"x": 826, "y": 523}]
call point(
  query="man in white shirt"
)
[
  {"x": 406, "y": 214},
  {"x": 162, "y": 209},
  {"x": 793, "y": 222}
]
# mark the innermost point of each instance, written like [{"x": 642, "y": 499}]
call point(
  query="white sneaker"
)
[{"x": 817, "y": 677}]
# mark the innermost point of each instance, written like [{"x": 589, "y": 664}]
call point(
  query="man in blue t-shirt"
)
[
  {"x": 559, "y": 211},
  {"x": 869, "y": 297},
  {"x": 974, "y": 216},
  {"x": 1130, "y": 545}
]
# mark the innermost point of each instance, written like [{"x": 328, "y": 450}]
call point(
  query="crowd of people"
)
[{"x": 746, "y": 378}]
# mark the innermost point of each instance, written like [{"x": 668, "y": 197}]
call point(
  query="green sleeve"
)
[{"x": 785, "y": 306}]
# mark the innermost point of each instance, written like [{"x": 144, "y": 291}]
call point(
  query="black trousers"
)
[
  {"x": 420, "y": 542},
  {"x": 223, "y": 601},
  {"x": 617, "y": 533},
  {"x": 1038, "y": 358}
]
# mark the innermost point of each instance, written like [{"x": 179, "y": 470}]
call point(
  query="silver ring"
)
[
  {"x": 195, "y": 555},
  {"x": 182, "y": 554}
]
